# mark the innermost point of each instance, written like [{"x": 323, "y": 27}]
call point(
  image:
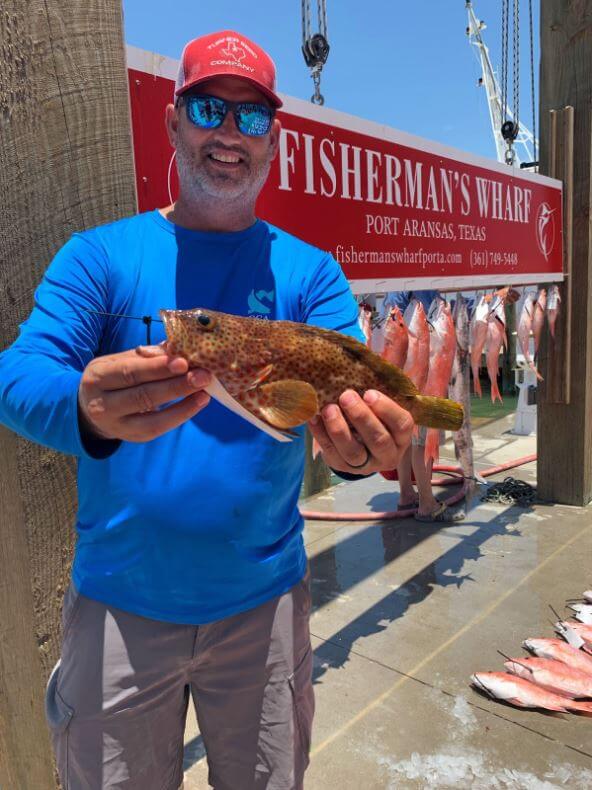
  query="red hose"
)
[{"x": 317, "y": 515}]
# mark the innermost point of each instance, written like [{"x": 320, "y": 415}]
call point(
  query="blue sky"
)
[{"x": 406, "y": 65}]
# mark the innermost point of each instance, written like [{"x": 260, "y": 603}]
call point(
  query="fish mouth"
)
[{"x": 170, "y": 321}]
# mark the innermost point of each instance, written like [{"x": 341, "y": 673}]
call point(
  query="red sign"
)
[{"x": 396, "y": 211}]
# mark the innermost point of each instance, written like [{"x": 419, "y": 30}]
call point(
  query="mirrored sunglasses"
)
[{"x": 209, "y": 112}]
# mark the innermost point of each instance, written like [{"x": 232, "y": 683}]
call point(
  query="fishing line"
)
[{"x": 145, "y": 319}]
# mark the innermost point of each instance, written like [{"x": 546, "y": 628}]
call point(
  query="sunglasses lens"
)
[
  {"x": 207, "y": 112},
  {"x": 253, "y": 119}
]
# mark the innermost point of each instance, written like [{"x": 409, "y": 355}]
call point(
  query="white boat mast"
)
[{"x": 524, "y": 143}]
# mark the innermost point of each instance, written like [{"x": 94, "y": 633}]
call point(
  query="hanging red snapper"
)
[
  {"x": 365, "y": 322},
  {"x": 396, "y": 339},
  {"x": 478, "y": 338},
  {"x": 279, "y": 374},
  {"x": 442, "y": 350},
  {"x": 553, "y": 299},
  {"x": 418, "y": 351},
  {"x": 496, "y": 338},
  {"x": 539, "y": 319},
  {"x": 524, "y": 330}
]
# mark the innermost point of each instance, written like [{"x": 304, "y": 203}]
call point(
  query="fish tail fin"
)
[
  {"x": 495, "y": 393},
  {"x": 579, "y": 707},
  {"x": 440, "y": 413},
  {"x": 432, "y": 446},
  {"x": 476, "y": 382}
]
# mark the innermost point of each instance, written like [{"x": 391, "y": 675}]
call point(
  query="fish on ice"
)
[
  {"x": 524, "y": 694},
  {"x": 560, "y": 651},
  {"x": 280, "y": 374},
  {"x": 552, "y": 675}
]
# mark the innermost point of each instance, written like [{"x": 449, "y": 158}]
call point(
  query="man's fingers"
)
[
  {"x": 372, "y": 432},
  {"x": 130, "y": 369},
  {"x": 152, "y": 351},
  {"x": 398, "y": 421},
  {"x": 147, "y": 397},
  {"x": 145, "y": 427},
  {"x": 334, "y": 436}
]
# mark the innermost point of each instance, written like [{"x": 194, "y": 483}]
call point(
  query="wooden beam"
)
[
  {"x": 565, "y": 428},
  {"x": 66, "y": 164},
  {"x": 555, "y": 353}
]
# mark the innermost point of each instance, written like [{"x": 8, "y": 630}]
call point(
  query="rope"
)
[{"x": 511, "y": 492}]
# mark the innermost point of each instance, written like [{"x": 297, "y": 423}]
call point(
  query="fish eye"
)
[{"x": 206, "y": 321}]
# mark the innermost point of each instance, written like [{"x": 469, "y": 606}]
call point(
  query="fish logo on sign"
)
[{"x": 545, "y": 229}]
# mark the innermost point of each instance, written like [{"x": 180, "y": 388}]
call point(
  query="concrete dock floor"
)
[{"x": 405, "y": 612}]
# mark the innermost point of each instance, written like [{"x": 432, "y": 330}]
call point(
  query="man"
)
[{"x": 189, "y": 574}]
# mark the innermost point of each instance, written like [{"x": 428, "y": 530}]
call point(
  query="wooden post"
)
[
  {"x": 317, "y": 475},
  {"x": 565, "y": 428},
  {"x": 66, "y": 164}
]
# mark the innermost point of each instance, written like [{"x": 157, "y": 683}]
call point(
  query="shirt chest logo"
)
[{"x": 260, "y": 302}]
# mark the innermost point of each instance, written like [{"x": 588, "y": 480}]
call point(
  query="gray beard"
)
[{"x": 196, "y": 184}]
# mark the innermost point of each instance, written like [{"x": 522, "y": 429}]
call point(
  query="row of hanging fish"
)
[
  {"x": 532, "y": 319},
  {"x": 425, "y": 351},
  {"x": 556, "y": 676},
  {"x": 425, "y": 347}
]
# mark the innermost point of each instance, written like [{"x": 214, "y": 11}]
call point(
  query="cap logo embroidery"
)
[{"x": 232, "y": 52}]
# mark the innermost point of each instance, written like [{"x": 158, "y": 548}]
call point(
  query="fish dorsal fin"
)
[
  {"x": 393, "y": 377},
  {"x": 285, "y": 404}
]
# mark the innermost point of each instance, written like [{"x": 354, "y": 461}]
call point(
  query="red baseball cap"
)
[{"x": 227, "y": 53}]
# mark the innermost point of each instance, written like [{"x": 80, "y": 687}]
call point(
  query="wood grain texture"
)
[
  {"x": 565, "y": 430},
  {"x": 555, "y": 353},
  {"x": 66, "y": 164}
]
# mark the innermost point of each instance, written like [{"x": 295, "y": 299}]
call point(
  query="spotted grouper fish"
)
[{"x": 279, "y": 374}]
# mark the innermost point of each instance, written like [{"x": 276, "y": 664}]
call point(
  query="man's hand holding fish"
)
[
  {"x": 363, "y": 434},
  {"x": 121, "y": 394}
]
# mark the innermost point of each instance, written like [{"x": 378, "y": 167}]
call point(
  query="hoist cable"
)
[
  {"x": 305, "y": 21},
  {"x": 322, "y": 13},
  {"x": 505, "y": 4},
  {"x": 315, "y": 47},
  {"x": 534, "y": 137},
  {"x": 516, "y": 64}
]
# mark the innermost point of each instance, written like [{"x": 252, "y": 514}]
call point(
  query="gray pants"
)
[{"x": 117, "y": 700}]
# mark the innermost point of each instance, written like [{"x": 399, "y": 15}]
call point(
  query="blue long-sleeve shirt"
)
[{"x": 202, "y": 522}]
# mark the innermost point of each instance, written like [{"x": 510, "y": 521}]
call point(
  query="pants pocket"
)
[{"x": 57, "y": 712}]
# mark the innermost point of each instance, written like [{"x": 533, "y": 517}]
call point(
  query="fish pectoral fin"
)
[{"x": 285, "y": 404}]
